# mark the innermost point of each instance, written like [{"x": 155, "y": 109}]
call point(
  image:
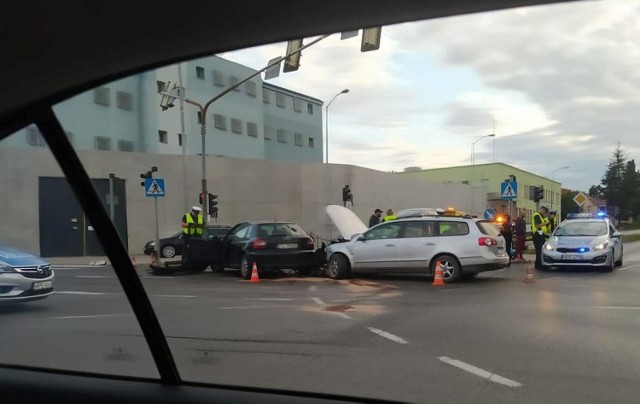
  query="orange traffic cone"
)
[
  {"x": 437, "y": 279},
  {"x": 529, "y": 276},
  {"x": 254, "y": 274}
]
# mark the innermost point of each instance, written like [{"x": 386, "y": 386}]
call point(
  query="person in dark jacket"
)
[
  {"x": 520, "y": 230},
  {"x": 375, "y": 218},
  {"x": 507, "y": 233}
]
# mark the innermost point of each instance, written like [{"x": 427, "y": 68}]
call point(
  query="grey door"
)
[
  {"x": 378, "y": 250},
  {"x": 417, "y": 246},
  {"x": 64, "y": 228}
]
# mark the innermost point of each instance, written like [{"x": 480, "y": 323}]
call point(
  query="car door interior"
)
[{"x": 108, "y": 55}]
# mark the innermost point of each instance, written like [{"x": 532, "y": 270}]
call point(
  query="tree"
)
[
  {"x": 612, "y": 181},
  {"x": 567, "y": 203},
  {"x": 596, "y": 191}
]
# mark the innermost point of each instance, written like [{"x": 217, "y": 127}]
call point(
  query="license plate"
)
[
  {"x": 288, "y": 246},
  {"x": 42, "y": 285},
  {"x": 572, "y": 257}
]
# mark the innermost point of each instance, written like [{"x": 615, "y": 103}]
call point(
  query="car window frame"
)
[
  {"x": 426, "y": 223},
  {"x": 366, "y": 237},
  {"x": 441, "y": 222}
]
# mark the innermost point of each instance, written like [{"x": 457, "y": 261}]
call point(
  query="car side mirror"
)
[
  {"x": 616, "y": 234},
  {"x": 361, "y": 238}
]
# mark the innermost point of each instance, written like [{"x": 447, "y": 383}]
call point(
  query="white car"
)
[
  {"x": 463, "y": 246},
  {"x": 23, "y": 277}
]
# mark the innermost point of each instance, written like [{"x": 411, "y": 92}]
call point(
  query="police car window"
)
[
  {"x": 595, "y": 228},
  {"x": 418, "y": 229},
  {"x": 390, "y": 230}
]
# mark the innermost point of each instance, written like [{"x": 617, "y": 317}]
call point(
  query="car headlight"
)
[
  {"x": 601, "y": 246},
  {"x": 4, "y": 269},
  {"x": 549, "y": 247}
]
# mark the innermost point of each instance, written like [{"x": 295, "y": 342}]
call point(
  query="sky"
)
[{"x": 560, "y": 82}]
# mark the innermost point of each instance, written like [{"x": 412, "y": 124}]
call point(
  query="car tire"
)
[
  {"x": 245, "y": 267},
  {"x": 451, "y": 271},
  {"x": 168, "y": 251},
  {"x": 338, "y": 267},
  {"x": 612, "y": 264},
  {"x": 619, "y": 262}
]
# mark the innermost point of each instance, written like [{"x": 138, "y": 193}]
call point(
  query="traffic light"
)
[
  {"x": 168, "y": 95},
  {"x": 538, "y": 194},
  {"x": 144, "y": 176},
  {"x": 212, "y": 205},
  {"x": 347, "y": 196},
  {"x": 292, "y": 62},
  {"x": 201, "y": 199}
]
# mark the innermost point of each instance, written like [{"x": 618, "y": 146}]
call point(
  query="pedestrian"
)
[
  {"x": 192, "y": 227},
  {"x": 520, "y": 230},
  {"x": 553, "y": 221},
  {"x": 507, "y": 233},
  {"x": 390, "y": 216},
  {"x": 539, "y": 224},
  {"x": 375, "y": 218}
]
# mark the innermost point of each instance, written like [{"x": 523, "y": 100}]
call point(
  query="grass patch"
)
[{"x": 630, "y": 238}]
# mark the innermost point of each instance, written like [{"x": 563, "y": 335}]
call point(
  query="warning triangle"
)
[
  {"x": 508, "y": 192},
  {"x": 155, "y": 188}
]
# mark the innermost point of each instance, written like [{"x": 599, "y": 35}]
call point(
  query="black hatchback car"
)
[
  {"x": 272, "y": 245},
  {"x": 174, "y": 245}
]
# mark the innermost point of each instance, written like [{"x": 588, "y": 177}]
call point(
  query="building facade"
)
[
  {"x": 486, "y": 179},
  {"x": 256, "y": 120}
]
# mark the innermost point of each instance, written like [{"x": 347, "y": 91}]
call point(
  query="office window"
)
[
  {"x": 218, "y": 78},
  {"x": 297, "y": 139},
  {"x": 200, "y": 72},
  {"x": 101, "y": 96},
  {"x": 312, "y": 143},
  {"x": 102, "y": 143},
  {"x": 310, "y": 108},
  {"x": 34, "y": 138},
  {"x": 252, "y": 129},
  {"x": 199, "y": 115},
  {"x": 265, "y": 96},
  {"x": 124, "y": 100},
  {"x": 251, "y": 88},
  {"x": 282, "y": 136},
  {"x": 219, "y": 121},
  {"x": 268, "y": 133},
  {"x": 297, "y": 104},
  {"x": 236, "y": 125},
  {"x": 280, "y": 100},
  {"x": 163, "y": 137},
  {"x": 125, "y": 145},
  {"x": 160, "y": 85},
  {"x": 233, "y": 80},
  {"x": 179, "y": 139}
]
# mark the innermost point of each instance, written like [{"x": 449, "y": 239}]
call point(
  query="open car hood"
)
[{"x": 346, "y": 221}]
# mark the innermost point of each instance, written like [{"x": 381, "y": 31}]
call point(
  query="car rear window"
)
[
  {"x": 487, "y": 228},
  {"x": 454, "y": 228},
  {"x": 280, "y": 229}
]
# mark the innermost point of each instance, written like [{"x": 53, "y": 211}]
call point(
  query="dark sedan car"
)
[
  {"x": 271, "y": 245},
  {"x": 174, "y": 245}
]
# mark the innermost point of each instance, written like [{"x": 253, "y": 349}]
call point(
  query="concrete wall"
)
[{"x": 247, "y": 189}]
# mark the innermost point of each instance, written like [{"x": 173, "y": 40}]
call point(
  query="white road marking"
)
[
  {"x": 313, "y": 288},
  {"x": 95, "y": 316},
  {"x": 269, "y": 299},
  {"x": 629, "y": 267},
  {"x": 343, "y": 315},
  {"x": 387, "y": 335},
  {"x": 71, "y": 292},
  {"x": 180, "y": 296},
  {"x": 480, "y": 372},
  {"x": 617, "y": 307},
  {"x": 318, "y": 301},
  {"x": 94, "y": 276}
]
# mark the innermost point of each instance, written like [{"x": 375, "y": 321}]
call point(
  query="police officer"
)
[
  {"x": 390, "y": 216},
  {"x": 539, "y": 231},
  {"x": 192, "y": 227}
]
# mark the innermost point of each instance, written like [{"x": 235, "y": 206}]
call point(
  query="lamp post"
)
[
  {"x": 326, "y": 123},
  {"x": 473, "y": 173}
]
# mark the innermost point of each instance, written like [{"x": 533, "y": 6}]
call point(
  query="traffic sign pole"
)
[{"x": 156, "y": 259}]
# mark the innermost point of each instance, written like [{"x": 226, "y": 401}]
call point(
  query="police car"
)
[
  {"x": 23, "y": 277},
  {"x": 584, "y": 239}
]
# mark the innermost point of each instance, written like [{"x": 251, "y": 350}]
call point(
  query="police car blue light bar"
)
[{"x": 599, "y": 215}]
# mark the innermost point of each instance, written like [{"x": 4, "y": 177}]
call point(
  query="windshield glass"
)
[
  {"x": 478, "y": 116},
  {"x": 582, "y": 229}
]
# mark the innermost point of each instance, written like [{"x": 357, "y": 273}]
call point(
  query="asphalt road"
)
[{"x": 570, "y": 337}]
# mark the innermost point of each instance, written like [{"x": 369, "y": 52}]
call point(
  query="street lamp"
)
[
  {"x": 473, "y": 173},
  {"x": 326, "y": 124}
]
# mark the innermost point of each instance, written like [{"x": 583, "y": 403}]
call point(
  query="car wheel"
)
[
  {"x": 612, "y": 264},
  {"x": 338, "y": 267},
  {"x": 245, "y": 267},
  {"x": 168, "y": 251},
  {"x": 619, "y": 262},
  {"x": 450, "y": 268}
]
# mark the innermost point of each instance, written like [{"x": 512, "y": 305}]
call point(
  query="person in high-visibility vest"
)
[
  {"x": 193, "y": 223},
  {"x": 390, "y": 216},
  {"x": 539, "y": 230}
]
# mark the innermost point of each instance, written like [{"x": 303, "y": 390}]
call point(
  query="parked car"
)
[
  {"x": 463, "y": 246},
  {"x": 23, "y": 277},
  {"x": 584, "y": 240},
  {"x": 272, "y": 245},
  {"x": 174, "y": 245}
]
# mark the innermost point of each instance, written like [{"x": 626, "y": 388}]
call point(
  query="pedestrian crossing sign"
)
[
  {"x": 509, "y": 190},
  {"x": 154, "y": 187}
]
